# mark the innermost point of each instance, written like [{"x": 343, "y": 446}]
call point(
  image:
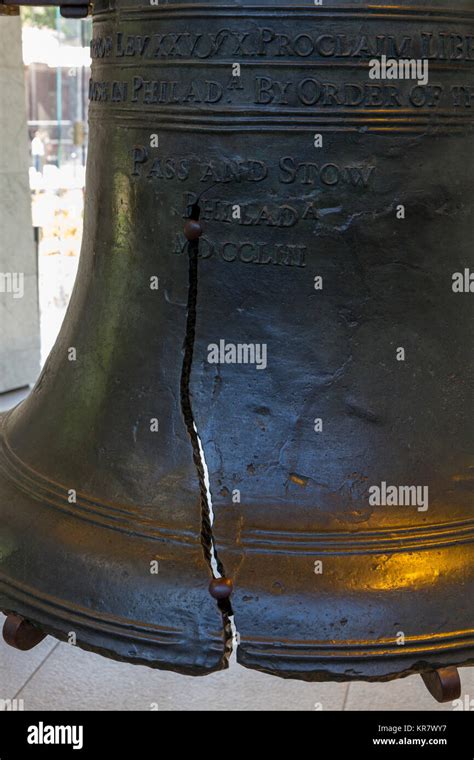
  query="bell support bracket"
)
[
  {"x": 443, "y": 684},
  {"x": 20, "y": 634}
]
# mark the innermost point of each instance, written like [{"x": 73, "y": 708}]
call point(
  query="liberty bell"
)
[{"x": 257, "y": 417}]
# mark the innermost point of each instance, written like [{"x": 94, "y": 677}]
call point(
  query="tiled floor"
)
[{"x": 58, "y": 676}]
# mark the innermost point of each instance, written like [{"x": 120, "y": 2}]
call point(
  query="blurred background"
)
[
  {"x": 44, "y": 74},
  {"x": 57, "y": 69}
]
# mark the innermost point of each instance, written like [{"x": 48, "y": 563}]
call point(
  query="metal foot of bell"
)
[
  {"x": 19, "y": 633},
  {"x": 443, "y": 684}
]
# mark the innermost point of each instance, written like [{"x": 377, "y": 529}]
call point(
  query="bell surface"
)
[{"x": 263, "y": 385}]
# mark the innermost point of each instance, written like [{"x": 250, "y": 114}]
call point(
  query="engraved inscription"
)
[
  {"x": 259, "y": 206},
  {"x": 247, "y": 251},
  {"x": 286, "y": 170},
  {"x": 307, "y": 92},
  {"x": 267, "y": 42},
  {"x": 252, "y": 214}
]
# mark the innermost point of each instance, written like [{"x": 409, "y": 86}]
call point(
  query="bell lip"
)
[
  {"x": 369, "y": 670},
  {"x": 380, "y": 672},
  {"x": 356, "y": 661},
  {"x": 213, "y": 655},
  {"x": 174, "y": 625},
  {"x": 88, "y": 645}
]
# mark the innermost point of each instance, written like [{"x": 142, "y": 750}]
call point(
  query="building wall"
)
[{"x": 19, "y": 316}]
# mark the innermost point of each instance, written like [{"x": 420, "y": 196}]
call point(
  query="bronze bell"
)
[{"x": 264, "y": 380}]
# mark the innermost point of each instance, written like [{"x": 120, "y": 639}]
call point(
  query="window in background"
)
[{"x": 57, "y": 70}]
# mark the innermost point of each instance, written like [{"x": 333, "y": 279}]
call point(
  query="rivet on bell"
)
[
  {"x": 221, "y": 588},
  {"x": 192, "y": 229}
]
